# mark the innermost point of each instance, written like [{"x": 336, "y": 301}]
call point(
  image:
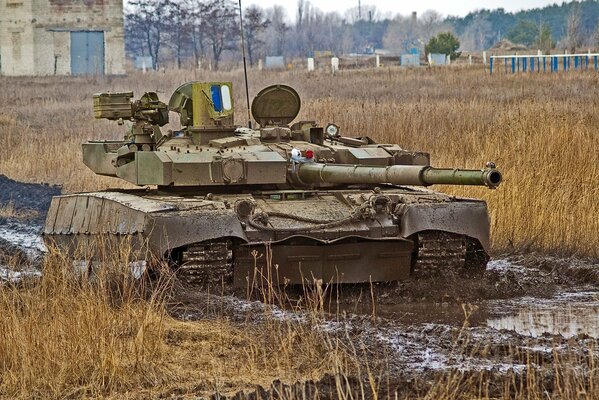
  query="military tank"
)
[{"x": 289, "y": 202}]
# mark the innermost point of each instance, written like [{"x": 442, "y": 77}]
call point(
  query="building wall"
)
[{"x": 35, "y": 35}]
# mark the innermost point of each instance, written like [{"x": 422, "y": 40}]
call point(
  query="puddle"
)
[
  {"x": 17, "y": 238},
  {"x": 430, "y": 312},
  {"x": 568, "y": 314}
]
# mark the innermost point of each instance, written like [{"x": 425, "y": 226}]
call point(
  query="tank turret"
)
[
  {"x": 327, "y": 206},
  {"x": 211, "y": 151}
]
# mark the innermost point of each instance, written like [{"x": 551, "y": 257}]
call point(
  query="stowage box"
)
[{"x": 113, "y": 105}]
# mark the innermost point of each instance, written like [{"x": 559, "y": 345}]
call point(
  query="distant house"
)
[
  {"x": 61, "y": 37},
  {"x": 275, "y": 62}
]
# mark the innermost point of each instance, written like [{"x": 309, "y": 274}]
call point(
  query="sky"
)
[{"x": 445, "y": 7}]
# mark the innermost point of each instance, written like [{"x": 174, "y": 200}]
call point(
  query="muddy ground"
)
[
  {"x": 527, "y": 309},
  {"x": 21, "y": 245}
]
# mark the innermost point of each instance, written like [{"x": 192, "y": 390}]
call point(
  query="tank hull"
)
[{"x": 287, "y": 237}]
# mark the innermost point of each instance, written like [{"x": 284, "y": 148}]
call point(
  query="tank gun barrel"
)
[{"x": 412, "y": 175}]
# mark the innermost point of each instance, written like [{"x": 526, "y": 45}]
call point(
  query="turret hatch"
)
[{"x": 276, "y": 105}]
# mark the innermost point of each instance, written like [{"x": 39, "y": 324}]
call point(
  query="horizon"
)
[{"x": 391, "y": 8}]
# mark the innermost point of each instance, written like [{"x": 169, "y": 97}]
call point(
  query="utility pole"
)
[
  {"x": 359, "y": 10},
  {"x": 245, "y": 69}
]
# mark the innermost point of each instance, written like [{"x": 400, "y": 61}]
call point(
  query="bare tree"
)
[
  {"x": 430, "y": 24},
  {"x": 316, "y": 30},
  {"x": 402, "y": 34},
  {"x": 312, "y": 19},
  {"x": 147, "y": 21},
  {"x": 364, "y": 13},
  {"x": 135, "y": 42},
  {"x": 574, "y": 34},
  {"x": 254, "y": 25},
  {"x": 303, "y": 8},
  {"x": 331, "y": 26},
  {"x": 219, "y": 27},
  {"x": 478, "y": 34},
  {"x": 276, "y": 33},
  {"x": 196, "y": 34},
  {"x": 179, "y": 26}
]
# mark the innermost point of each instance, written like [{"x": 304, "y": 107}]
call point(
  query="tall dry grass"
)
[
  {"x": 541, "y": 130},
  {"x": 66, "y": 337},
  {"x": 107, "y": 335},
  {"x": 9, "y": 210}
]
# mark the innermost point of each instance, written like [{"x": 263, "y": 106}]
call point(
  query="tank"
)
[{"x": 287, "y": 201}]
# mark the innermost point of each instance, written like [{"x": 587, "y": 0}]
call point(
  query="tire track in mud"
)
[
  {"x": 412, "y": 350},
  {"x": 431, "y": 336}
]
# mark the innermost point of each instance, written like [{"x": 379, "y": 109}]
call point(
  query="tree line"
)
[
  {"x": 569, "y": 25},
  {"x": 206, "y": 32}
]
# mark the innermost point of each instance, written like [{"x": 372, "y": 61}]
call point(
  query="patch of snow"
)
[
  {"x": 8, "y": 275},
  {"x": 25, "y": 237},
  {"x": 503, "y": 265}
]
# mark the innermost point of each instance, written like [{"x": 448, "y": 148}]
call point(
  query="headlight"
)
[{"x": 332, "y": 131}]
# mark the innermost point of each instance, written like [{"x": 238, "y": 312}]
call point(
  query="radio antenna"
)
[{"x": 245, "y": 70}]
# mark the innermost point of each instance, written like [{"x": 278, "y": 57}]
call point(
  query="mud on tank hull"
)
[{"x": 341, "y": 236}]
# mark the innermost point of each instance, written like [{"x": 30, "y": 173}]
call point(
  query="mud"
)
[
  {"x": 21, "y": 244},
  {"x": 568, "y": 314},
  {"x": 28, "y": 197},
  {"x": 525, "y": 314}
]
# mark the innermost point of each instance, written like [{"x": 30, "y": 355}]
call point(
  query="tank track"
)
[
  {"x": 437, "y": 254},
  {"x": 440, "y": 253},
  {"x": 207, "y": 264}
]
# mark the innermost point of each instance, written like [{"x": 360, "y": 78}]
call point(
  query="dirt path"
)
[{"x": 411, "y": 342}]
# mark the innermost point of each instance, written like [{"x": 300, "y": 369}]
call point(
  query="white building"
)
[{"x": 61, "y": 37}]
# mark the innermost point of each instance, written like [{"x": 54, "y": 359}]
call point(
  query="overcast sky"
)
[{"x": 446, "y": 7}]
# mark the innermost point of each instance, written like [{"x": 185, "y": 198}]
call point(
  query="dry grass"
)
[
  {"x": 68, "y": 337},
  {"x": 9, "y": 210},
  {"x": 541, "y": 129},
  {"x": 108, "y": 337},
  {"x": 573, "y": 378},
  {"x": 64, "y": 339}
]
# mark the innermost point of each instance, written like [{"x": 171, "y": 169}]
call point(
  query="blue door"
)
[{"x": 87, "y": 52}]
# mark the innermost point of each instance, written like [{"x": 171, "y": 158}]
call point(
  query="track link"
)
[
  {"x": 443, "y": 253},
  {"x": 207, "y": 263}
]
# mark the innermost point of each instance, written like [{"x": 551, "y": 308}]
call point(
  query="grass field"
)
[
  {"x": 65, "y": 337},
  {"x": 70, "y": 338},
  {"x": 62, "y": 339},
  {"x": 540, "y": 129}
]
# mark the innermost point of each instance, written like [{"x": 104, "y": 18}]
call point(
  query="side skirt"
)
[{"x": 356, "y": 262}]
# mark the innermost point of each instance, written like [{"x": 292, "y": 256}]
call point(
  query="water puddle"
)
[
  {"x": 568, "y": 314},
  {"x": 432, "y": 312}
]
